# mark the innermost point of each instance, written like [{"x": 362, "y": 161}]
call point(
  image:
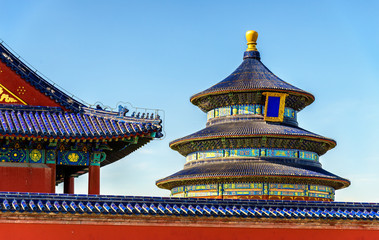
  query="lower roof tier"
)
[
  {"x": 252, "y": 171},
  {"x": 227, "y": 134}
]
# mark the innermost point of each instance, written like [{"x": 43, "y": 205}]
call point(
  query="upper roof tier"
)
[{"x": 252, "y": 76}]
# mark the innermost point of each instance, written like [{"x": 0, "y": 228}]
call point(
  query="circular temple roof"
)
[
  {"x": 252, "y": 171},
  {"x": 251, "y": 76},
  {"x": 243, "y": 129}
]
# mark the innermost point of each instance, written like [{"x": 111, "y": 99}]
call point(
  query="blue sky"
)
[{"x": 156, "y": 54}]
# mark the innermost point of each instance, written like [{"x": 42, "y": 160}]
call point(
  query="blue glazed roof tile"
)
[{"x": 25, "y": 122}]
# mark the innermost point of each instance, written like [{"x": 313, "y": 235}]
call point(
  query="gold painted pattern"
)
[{"x": 7, "y": 96}]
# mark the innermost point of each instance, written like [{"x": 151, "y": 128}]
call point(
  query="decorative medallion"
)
[
  {"x": 50, "y": 156},
  {"x": 35, "y": 155},
  {"x": 73, "y": 157}
]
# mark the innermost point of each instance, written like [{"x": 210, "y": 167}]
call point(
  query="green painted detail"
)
[
  {"x": 52, "y": 144},
  {"x": 20, "y": 155},
  {"x": 134, "y": 140},
  {"x": 97, "y": 158},
  {"x": 13, "y": 155},
  {"x": 51, "y": 156}
]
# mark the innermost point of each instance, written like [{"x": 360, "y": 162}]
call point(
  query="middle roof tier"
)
[{"x": 256, "y": 133}]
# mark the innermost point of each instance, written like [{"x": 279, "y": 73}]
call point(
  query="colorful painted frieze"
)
[
  {"x": 211, "y": 114},
  {"x": 252, "y": 152},
  {"x": 22, "y": 155},
  {"x": 77, "y": 158},
  {"x": 308, "y": 155},
  {"x": 255, "y": 189},
  {"x": 224, "y": 111},
  {"x": 246, "y": 109},
  {"x": 244, "y": 152}
]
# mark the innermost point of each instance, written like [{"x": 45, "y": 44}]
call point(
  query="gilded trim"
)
[
  {"x": 13, "y": 94},
  {"x": 281, "y": 106}
]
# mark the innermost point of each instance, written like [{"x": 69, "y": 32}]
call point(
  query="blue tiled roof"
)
[
  {"x": 37, "y": 81},
  {"x": 249, "y": 129},
  {"x": 250, "y": 170},
  {"x": 252, "y": 75},
  {"x": 58, "y": 124},
  {"x": 177, "y": 207}
]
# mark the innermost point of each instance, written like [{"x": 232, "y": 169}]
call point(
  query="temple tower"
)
[{"x": 252, "y": 146}]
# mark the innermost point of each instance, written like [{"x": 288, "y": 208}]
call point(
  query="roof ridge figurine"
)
[{"x": 252, "y": 147}]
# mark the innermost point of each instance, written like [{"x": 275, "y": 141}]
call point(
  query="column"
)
[
  {"x": 94, "y": 173},
  {"x": 51, "y": 163},
  {"x": 68, "y": 185},
  {"x": 94, "y": 180}
]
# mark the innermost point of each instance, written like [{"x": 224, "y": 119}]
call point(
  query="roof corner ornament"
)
[{"x": 251, "y": 38}]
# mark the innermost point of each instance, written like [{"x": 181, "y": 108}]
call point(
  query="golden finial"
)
[{"x": 251, "y": 38}]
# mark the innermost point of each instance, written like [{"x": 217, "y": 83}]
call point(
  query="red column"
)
[
  {"x": 94, "y": 180},
  {"x": 68, "y": 185},
  {"x": 52, "y": 166}
]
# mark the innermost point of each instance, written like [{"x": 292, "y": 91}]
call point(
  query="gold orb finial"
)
[{"x": 251, "y": 38}]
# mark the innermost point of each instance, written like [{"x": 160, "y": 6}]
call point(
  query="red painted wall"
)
[
  {"x": 114, "y": 232},
  {"x": 22, "y": 89},
  {"x": 25, "y": 179}
]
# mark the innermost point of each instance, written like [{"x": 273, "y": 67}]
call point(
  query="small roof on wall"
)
[{"x": 118, "y": 206}]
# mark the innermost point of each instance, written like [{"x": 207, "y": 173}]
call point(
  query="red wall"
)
[
  {"x": 25, "y": 179},
  {"x": 83, "y": 231},
  {"x": 22, "y": 89}
]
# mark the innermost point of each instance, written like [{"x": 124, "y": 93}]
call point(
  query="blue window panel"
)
[
  {"x": 273, "y": 106},
  {"x": 22, "y": 123},
  {"x": 47, "y": 118},
  {"x": 96, "y": 124},
  {"x": 47, "y": 124},
  {"x": 9, "y": 121},
  {"x": 3, "y": 123},
  {"x": 77, "y": 124},
  {"x": 71, "y": 124},
  {"x": 90, "y": 126},
  {"x": 34, "y": 123},
  {"x": 115, "y": 126},
  {"x": 66, "y": 126},
  {"x": 109, "y": 127},
  {"x": 83, "y": 125},
  {"x": 60, "y": 125},
  {"x": 28, "y": 123},
  {"x": 15, "y": 121},
  {"x": 40, "y": 123}
]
